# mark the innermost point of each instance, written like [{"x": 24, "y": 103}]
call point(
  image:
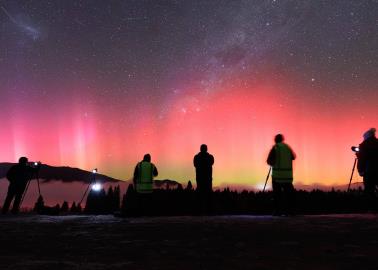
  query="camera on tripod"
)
[{"x": 36, "y": 164}]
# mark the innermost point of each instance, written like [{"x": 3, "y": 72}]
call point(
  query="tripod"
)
[
  {"x": 27, "y": 187},
  {"x": 351, "y": 176},
  {"x": 267, "y": 178},
  {"x": 94, "y": 171}
]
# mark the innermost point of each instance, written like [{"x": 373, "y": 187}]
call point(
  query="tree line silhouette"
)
[
  {"x": 98, "y": 202},
  {"x": 185, "y": 201}
]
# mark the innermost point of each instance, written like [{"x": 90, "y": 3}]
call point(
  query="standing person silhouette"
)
[
  {"x": 18, "y": 175},
  {"x": 144, "y": 173},
  {"x": 368, "y": 166},
  {"x": 203, "y": 162},
  {"x": 281, "y": 158}
]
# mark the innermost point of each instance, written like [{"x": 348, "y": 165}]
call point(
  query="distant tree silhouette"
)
[
  {"x": 64, "y": 207},
  {"x": 39, "y": 205},
  {"x": 189, "y": 186},
  {"x": 96, "y": 202},
  {"x": 73, "y": 208},
  {"x": 179, "y": 187},
  {"x": 227, "y": 202},
  {"x": 109, "y": 200},
  {"x": 179, "y": 201},
  {"x": 101, "y": 202},
  {"x": 117, "y": 198}
]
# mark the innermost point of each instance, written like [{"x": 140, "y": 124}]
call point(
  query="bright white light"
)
[
  {"x": 260, "y": 186},
  {"x": 35, "y": 163},
  {"x": 96, "y": 187},
  {"x": 94, "y": 171}
]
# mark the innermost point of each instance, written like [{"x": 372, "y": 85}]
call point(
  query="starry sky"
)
[{"x": 99, "y": 83}]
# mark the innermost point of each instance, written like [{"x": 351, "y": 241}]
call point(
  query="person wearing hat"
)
[
  {"x": 281, "y": 158},
  {"x": 144, "y": 174},
  {"x": 203, "y": 163},
  {"x": 18, "y": 175},
  {"x": 367, "y": 165}
]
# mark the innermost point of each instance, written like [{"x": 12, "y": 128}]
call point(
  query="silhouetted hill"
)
[
  {"x": 64, "y": 174},
  {"x": 167, "y": 183},
  {"x": 67, "y": 174},
  {"x": 355, "y": 185}
]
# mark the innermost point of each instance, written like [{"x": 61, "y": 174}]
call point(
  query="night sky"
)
[{"x": 99, "y": 83}]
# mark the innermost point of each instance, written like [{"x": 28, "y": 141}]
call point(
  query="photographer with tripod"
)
[
  {"x": 19, "y": 176},
  {"x": 368, "y": 165}
]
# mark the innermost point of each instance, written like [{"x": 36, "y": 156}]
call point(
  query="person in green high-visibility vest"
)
[
  {"x": 144, "y": 173},
  {"x": 281, "y": 158}
]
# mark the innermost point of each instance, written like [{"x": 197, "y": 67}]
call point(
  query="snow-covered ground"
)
[{"x": 220, "y": 242}]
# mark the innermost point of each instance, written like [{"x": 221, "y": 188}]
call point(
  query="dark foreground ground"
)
[{"x": 225, "y": 242}]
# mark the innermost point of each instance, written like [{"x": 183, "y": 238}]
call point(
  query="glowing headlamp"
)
[{"x": 96, "y": 187}]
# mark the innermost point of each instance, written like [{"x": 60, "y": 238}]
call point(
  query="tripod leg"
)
[
  {"x": 85, "y": 193},
  {"x": 24, "y": 194},
  {"x": 39, "y": 188},
  {"x": 267, "y": 178},
  {"x": 351, "y": 177}
]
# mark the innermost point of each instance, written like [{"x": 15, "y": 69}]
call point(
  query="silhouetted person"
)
[
  {"x": 144, "y": 173},
  {"x": 281, "y": 158},
  {"x": 18, "y": 176},
  {"x": 203, "y": 162},
  {"x": 368, "y": 163}
]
